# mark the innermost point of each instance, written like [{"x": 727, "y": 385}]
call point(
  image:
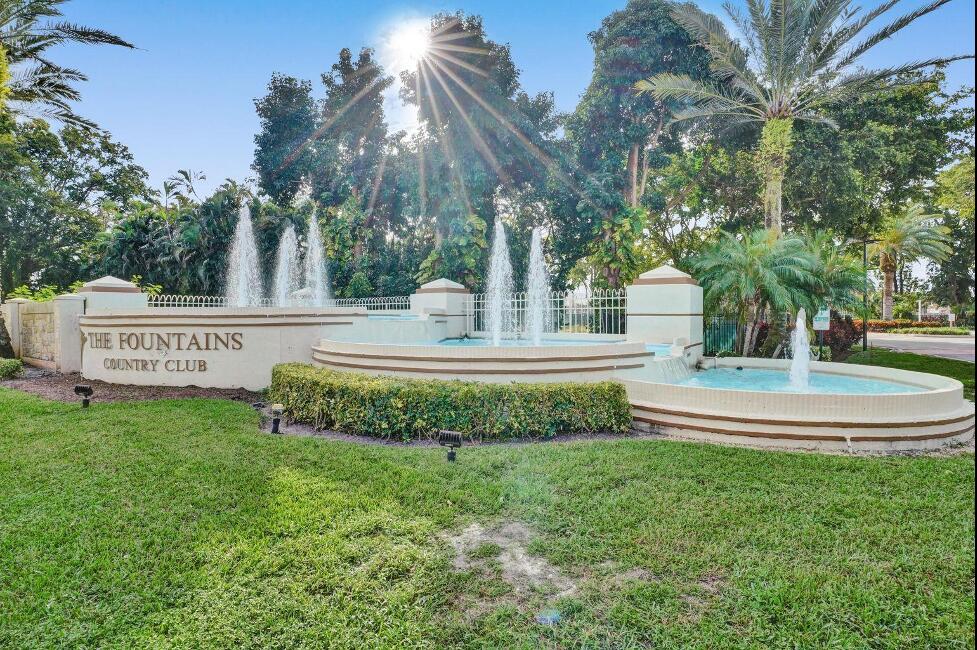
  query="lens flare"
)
[{"x": 406, "y": 45}]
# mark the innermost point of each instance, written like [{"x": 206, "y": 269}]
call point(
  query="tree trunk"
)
[
  {"x": 633, "y": 176},
  {"x": 752, "y": 330},
  {"x": 771, "y": 158},
  {"x": 888, "y": 288},
  {"x": 773, "y": 193}
]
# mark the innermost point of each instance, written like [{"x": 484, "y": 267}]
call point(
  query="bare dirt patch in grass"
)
[{"x": 527, "y": 574}]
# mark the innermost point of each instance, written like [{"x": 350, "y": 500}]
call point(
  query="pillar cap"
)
[
  {"x": 665, "y": 274},
  {"x": 442, "y": 285},
  {"x": 109, "y": 284}
]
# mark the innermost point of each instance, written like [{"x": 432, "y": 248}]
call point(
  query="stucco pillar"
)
[
  {"x": 11, "y": 320},
  {"x": 67, "y": 332},
  {"x": 444, "y": 299},
  {"x": 665, "y": 306},
  {"x": 112, "y": 294}
]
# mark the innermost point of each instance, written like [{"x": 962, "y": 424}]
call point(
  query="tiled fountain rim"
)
[
  {"x": 231, "y": 313},
  {"x": 609, "y": 349},
  {"x": 944, "y": 399}
]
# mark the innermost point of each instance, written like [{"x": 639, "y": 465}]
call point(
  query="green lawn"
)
[
  {"x": 179, "y": 524},
  {"x": 960, "y": 370}
]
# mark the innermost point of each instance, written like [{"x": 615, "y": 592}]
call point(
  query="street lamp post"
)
[{"x": 865, "y": 243}]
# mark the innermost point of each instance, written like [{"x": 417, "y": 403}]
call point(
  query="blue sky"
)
[{"x": 184, "y": 99}]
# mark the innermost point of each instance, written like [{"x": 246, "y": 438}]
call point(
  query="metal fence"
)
[
  {"x": 598, "y": 311},
  {"x": 385, "y": 303},
  {"x": 719, "y": 334}
]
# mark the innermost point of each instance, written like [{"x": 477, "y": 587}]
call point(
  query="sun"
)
[{"x": 406, "y": 44}]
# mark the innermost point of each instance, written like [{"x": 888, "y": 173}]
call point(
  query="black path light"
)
[
  {"x": 277, "y": 410},
  {"x": 85, "y": 392},
  {"x": 451, "y": 440}
]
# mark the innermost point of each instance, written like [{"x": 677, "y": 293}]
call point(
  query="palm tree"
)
[
  {"x": 795, "y": 62},
  {"x": 38, "y": 85},
  {"x": 839, "y": 274},
  {"x": 755, "y": 271},
  {"x": 905, "y": 237},
  {"x": 181, "y": 187}
]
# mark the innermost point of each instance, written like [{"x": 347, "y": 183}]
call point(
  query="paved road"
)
[{"x": 948, "y": 347}]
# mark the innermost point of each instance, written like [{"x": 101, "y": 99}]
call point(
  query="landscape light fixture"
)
[
  {"x": 276, "y": 416},
  {"x": 451, "y": 440},
  {"x": 84, "y": 391}
]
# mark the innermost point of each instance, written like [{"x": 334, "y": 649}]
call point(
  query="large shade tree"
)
[
  {"x": 953, "y": 278},
  {"x": 798, "y": 58},
  {"x": 618, "y": 138},
  {"x": 29, "y": 29},
  {"x": 906, "y": 236}
]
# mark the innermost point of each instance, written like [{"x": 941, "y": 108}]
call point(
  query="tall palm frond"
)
[
  {"x": 796, "y": 60},
  {"x": 28, "y": 29},
  {"x": 909, "y": 235},
  {"x": 800, "y": 56},
  {"x": 905, "y": 237}
]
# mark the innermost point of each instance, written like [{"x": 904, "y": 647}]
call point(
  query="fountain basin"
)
[
  {"x": 775, "y": 381},
  {"x": 516, "y": 343},
  {"x": 579, "y": 360},
  {"x": 924, "y": 411}
]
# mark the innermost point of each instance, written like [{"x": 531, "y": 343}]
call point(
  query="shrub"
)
[
  {"x": 842, "y": 334},
  {"x": 359, "y": 286},
  {"x": 875, "y": 325},
  {"x": 405, "y": 409},
  {"x": 946, "y": 331},
  {"x": 9, "y": 368}
]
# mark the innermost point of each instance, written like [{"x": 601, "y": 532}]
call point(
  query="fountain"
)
[
  {"x": 800, "y": 365},
  {"x": 243, "y": 269},
  {"x": 500, "y": 286},
  {"x": 316, "y": 274},
  {"x": 287, "y": 273},
  {"x": 538, "y": 291}
]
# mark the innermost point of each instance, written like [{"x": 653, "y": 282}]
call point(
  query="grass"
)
[
  {"x": 179, "y": 524},
  {"x": 962, "y": 371}
]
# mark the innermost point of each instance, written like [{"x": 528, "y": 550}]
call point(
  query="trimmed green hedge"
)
[
  {"x": 933, "y": 331},
  {"x": 406, "y": 409},
  {"x": 9, "y": 367}
]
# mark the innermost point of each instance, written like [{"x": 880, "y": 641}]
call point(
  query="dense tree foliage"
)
[
  {"x": 619, "y": 137},
  {"x": 57, "y": 191},
  {"x": 794, "y": 60},
  {"x": 618, "y": 185}
]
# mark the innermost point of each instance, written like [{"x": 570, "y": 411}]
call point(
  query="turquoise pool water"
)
[
  {"x": 516, "y": 343},
  {"x": 777, "y": 381},
  {"x": 660, "y": 349},
  {"x": 392, "y": 316}
]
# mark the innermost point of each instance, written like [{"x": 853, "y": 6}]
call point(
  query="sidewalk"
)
[{"x": 947, "y": 347}]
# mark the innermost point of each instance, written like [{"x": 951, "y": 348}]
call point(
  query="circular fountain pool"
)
[
  {"x": 778, "y": 381},
  {"x": 846, "y": 407},
  {"x": 478, "y": 360},
  {"x": 514, "y": 343}
]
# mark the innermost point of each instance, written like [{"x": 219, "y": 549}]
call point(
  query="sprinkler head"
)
[
  {"x": 451, "y": 440},
  {"x": 84, "y": 391},
  {"x": 277, "y": 410}
]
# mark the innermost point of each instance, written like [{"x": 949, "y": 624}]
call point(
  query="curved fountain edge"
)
[{"x": 891, "y": 422}]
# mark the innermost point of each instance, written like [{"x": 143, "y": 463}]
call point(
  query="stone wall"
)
[
  {"x": 38, "y": 334},
  {"x": 46, "y": 334}
]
